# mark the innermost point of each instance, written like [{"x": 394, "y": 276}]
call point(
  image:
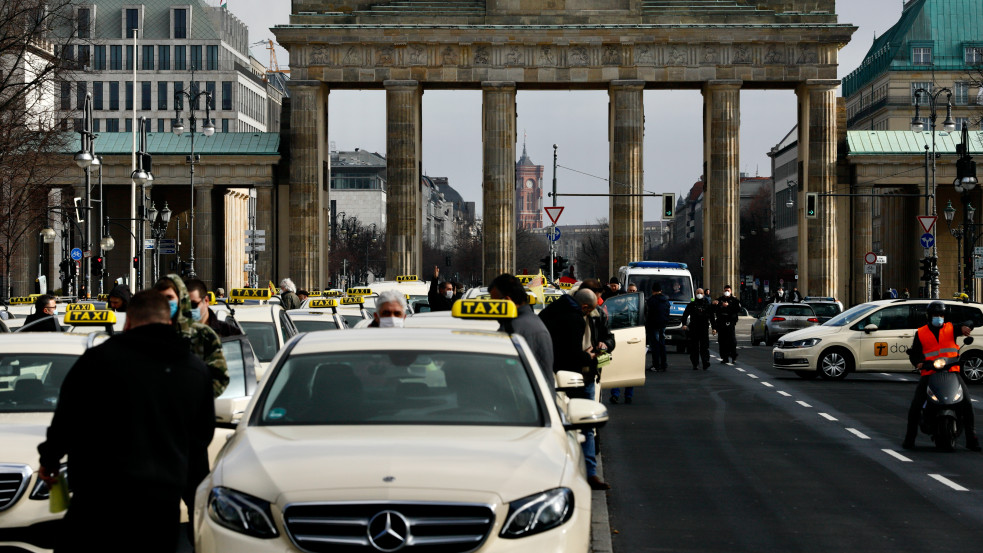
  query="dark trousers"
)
[
  {"x": 699, "y": 346},
  {"x": 657, "y": 346},
  {"x": 965, "y": 409},
  {"x": 727, "y": 341},
  {"x": 97, "y": 524}
]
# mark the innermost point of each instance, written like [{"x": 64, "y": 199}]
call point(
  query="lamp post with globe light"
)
[
  {"x": 965, "y": 183},
  {"x": 86, "y": 160},
  {"x": 207, "y": 129}
]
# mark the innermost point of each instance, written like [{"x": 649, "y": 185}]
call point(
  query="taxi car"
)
[
  {"x": 826, "y": 307},
  {"x": 872, "y": 337},
  {"x": 319, "y": 314},
  {"x": 268, "y": 327},
  {"x": 379, "y": 439}
]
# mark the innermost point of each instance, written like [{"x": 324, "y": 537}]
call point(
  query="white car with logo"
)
[{"x": 872, "y": 337}]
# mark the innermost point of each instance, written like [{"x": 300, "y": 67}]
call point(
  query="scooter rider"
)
[{"x": 937, "y": 340}]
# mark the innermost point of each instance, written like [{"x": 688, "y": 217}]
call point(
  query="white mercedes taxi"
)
[
  {"x": 383, "y": 439},
  {"x": 265, "y": 323},
  {"x": 872, "y": 337}
]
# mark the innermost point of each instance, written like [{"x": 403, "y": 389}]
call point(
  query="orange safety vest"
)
[{"x": 933, "y": 349}]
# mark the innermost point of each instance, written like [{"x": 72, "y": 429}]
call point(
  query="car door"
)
[
  {"x": 241, "y": 362},
  {"x": 627, "y": 320},
  {"x": 886, "y": 349}
]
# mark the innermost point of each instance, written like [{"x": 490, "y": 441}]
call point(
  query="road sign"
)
[
  {"x": 76, "y": 254},
  {"x": 247, "y": 267},
  {"x": 881, "y": 259},
  {"x": 870, "y": 269},
  {"x": 553, "y": 234},
  {"x": 255, "y": 249},
  {"x": 553, "y": 212},
  {"x": 870, "y": 258},
  {"x": 167, "y": 251},
  {"x": 927, "y": 222},
  {"x": 255, "y": 233},
  {"x": 255, "y": 241},
  {"x": 86, "y": 253},
  {"x": 927, "y": 240},
  {"x": 167, "y": 242}
]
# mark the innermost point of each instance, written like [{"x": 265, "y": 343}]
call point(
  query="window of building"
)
[
  {"x": 81, "y": 89},
  {"x": 196, "y": 57},
  {"x": 83, "y": 57},
  {"x": 974, "y": 55},
  {"x": 210, "y": 89},
  {"x": 960, "y": 121},
  {"x": 180, "y": 23},
  {"x": 178, "y": 95},
  {"x": 112, "y": 125},
  {"x": 225, "y": 125},
  {"x": 164, "y": 57},
  {"x": 67, "y": 53},
  {"x": 145, "y": 100},
  {"x": 960, "y": 94},
  {"x": 921, "y": 55},
  {"x": 97, "y": 95},
  {"x": 180, "y": 58},
  {"x": 212, "y": 52},
  {"x": 95, "y": 125},
  {"x": 77, "y": 124},
  {"x": 66, "y": 95},
  {"x": 162, "y": 95},
  {"x": 227, "y": 95},
  {"x": 129, "y": 124},
  {"x": 132, "y": 21},
  {"x": 116, "y": 57},
  {"x": 148, "y": 58},
  {"x": 129, "y": 57},
  {"x": 113, "y": 97},
  {"x": 160, "y": 125},
  {"x": 921, "y": 99},
  {"x": 129, "y": 95},
  {"x": 84, "y": 22},
  {"x": 99, "y": 60}
]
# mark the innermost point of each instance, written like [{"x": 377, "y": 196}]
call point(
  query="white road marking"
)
[
  {"x": 740, "y": 369},
  {"x": 949, "y": 483},
  {"x": 752, "y": 375},
  {"x": 804, "y": 404},
  {"x": 828, "y": 417},
  {"x": 974, "y": 400},
  {"x": 884, "y": 374},
  {"x": 767, "y": 384},
  {"x": 858, "y": 433},
  {"x": 897, "y": 455},
  {"x": 786, "y": 394}
]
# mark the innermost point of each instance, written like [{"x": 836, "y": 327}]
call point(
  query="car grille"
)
[
  {"x": 13, "y": 481},
  {"x": 364, "y": 527}
]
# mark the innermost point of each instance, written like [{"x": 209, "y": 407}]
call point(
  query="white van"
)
[{"x": 677, "y": 285}]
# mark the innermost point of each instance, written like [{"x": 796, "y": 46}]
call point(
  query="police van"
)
[{"x": 677, "y": 285}]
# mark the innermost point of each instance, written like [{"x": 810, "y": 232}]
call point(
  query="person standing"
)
[
  {"x": 613, "y": 289},
  {"x": 526, "y": 323},
  {"x": 45, "y": 308},
  {"x": 796, "y": 297},
  {"x": 288, "y": 296},
  {"x": 390, "y": 310},
  {"x": 135, "y": 411},
  {"x": 697, "y": 320},
  {"x": 441, "y": 294},
  {"x": 656, "y": 319},
  {"x": 201, "y": 311},
  {"x": 728, "y": 311},
  {"x": 119, "y": 297}
]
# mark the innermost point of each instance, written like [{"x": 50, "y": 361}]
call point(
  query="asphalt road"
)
[{"x": 749, "y": 458}]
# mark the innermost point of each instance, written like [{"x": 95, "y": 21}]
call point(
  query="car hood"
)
[
  {"x": 292, "y": 463},
  {"x": 817, "y": 331},
  {"x": 20, "y": 434}
]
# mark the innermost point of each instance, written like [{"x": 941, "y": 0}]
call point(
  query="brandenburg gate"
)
[{"x": 623, "y": 46}]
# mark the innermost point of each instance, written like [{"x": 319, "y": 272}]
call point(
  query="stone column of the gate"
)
[
  {"x": 403, "y": 151},
  {"x": 204, "y": 234},
  {"x": 626, "y": 120},
  {"x": 722, "y": 200},
  {"x": 307, "y": 135},
  {"x": 498, "y": 166},
  {"x": 819, "y": 164},
  {"x": 264, "y": 221},
  {"x": 863, "y": 242}
]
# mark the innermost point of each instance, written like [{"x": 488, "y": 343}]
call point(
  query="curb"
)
[{"x": 600, "y": 524}]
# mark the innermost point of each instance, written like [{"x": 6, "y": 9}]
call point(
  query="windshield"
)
[
  {"x": 313, "y": 326},
  {"x": 825, "y": 309},
  {"x": 31, "y": 382},
  {"x": 794, "y": 311},
  {"x": 401, "y": 387},
  {"x": 675, "y": 287},
  {"x": 262, "y": 336},
  {"x": 851, "y": 315}
]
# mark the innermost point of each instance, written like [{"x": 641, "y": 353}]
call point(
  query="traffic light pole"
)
[{"x": 553, "y": 228}]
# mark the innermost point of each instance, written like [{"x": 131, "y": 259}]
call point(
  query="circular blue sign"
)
[
  {"x": 553, "y": 234},
  {"x": 76, "y": 254},
  {"x": 927, "y": 240}
]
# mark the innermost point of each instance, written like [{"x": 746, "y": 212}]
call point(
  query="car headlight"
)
[
  {"x": 798, "y": 344},
  {"x": 41, "y": 491},
  {"x": 241, "y": 512},
  {"x": 538, "y": 513}
]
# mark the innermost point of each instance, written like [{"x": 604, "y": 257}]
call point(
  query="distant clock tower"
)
[{"x": 529, "y": 192}]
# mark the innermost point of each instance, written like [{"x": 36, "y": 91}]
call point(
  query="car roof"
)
[
  {"x": 251, "y": 313},
  {"x": 45, "y": 342},
  {"x": 382, "y": 339},
  {"x": 444, "y": 319}
]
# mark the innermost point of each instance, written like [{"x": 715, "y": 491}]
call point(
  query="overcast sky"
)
[{"x": 575, "y": 121}]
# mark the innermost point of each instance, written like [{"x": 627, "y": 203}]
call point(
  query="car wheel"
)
[
  {"x": 754, "y": 339},
  {"x": 972, "y": 363},
  {"x": 807, "y": 375},
  {"x": 769, "y": 341},
  {"x": 834, "y": 364}
]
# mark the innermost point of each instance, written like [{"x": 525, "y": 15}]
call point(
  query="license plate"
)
[{"x": 779, "y": 355}]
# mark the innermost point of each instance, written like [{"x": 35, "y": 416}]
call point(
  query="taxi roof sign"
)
[
  {"x": 360, "y": 292},
  {"x": 532, "y": 298},
  {"x": 99, "y": 317},
  {"x": 484, "y": 309},
  {"x": 102, "y": 297},
  {"x": 250, "y": 294},
  {"x": 332, "y": 293},
  {"x": 407, "y": 278},
  {"x": 550, "y": 298},
  {"x": 566, "y": 285},
  {"x": 20, "y": 300},
  {"x": 314, "y": 294},
  {"x": 525, "y": 279},
  {"x": 80, "y": 307},
  {"x": 211, "y": 298},
  {"x": 322, "y": 303},
  {"x": 354, "y": 300}
]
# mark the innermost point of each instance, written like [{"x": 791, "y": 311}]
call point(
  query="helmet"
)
[{"x": 935, "y": 308}]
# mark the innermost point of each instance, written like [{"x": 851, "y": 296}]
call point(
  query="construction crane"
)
[{"x": 273, "y": 67}]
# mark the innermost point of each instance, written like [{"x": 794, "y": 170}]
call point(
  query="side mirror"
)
[
  {"x": 584, "y": 414},
  {"x": 870, "y": 328},
  {"x": 568, "y": 380}
]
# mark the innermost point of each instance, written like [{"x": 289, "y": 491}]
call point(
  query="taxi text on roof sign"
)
[
  {"x": 322, "y": 303},
  {"x": 102, "y": 297},
  {"x": 250, "y": 294},
  {"x": 356, "y": 300},
  {"x": 525, "y": 279},
  {"x": 332, "y": 293},
  {"x": 360, "y": 292},
  {"x": 566, "y": 285},
  {"x": 484, "y": 309},
  {"x": 81, "y": 318},
  {"x": 80, "y": 307},
  {"x": 532, "y": 298},
  {"x": 406, "y": 278},
  {"x": 550, "y": 298},
  {"x": 20, "y": 300},
  {"x": 314, "y": 294}
]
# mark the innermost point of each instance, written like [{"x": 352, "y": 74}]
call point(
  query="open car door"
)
[
  {"x": 241, "y": 360},
  {"x": 626, "y": 315}
]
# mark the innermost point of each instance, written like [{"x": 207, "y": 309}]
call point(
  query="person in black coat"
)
[
  {"x": 526, "y": 323},
  {"x": 134, "y": 414},
  {"x": 697, "y": 321},
  {"x": 727, "y": 311},
  {"x": 441, "y": 294},
  {"x": 44, "y": 310},
  {"x": 656, "y": 320}
]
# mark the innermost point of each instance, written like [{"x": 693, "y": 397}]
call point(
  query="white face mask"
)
[
  {"x": 390, "y": 322},
  {"x": 727, "y": 293},
  {"x": 699, "y": 296},
  {"x": 449, "y": 294}
]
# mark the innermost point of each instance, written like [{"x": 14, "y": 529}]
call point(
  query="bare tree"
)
[
  {"x": 530, "y": 248},
  {"x": 593, "y": 255}
]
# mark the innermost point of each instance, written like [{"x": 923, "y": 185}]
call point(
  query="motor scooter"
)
[{"x": 940, "y": 417}]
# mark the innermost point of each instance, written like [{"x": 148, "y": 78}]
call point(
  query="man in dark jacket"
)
[
  {"x": 198, "y": 296},
  {"x": 526, "y": 324},
  {"x": 727, "y": 312},
  {"x": 440, "y": 296},
  {"x": 697, "y": 320},
  {"x": 656, "y": 320},
  {"x": 44, "y": 309},
  {"x": 613, "y": 289},
  {"x": 119, "y": 298},
  {"x": 137, "y": 412}
]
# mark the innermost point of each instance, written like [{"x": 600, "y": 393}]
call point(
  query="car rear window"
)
[
  {"x": 825, "y": 309},
  {"x": 795, "y": 311}
]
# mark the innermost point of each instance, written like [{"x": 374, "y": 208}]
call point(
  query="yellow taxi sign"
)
[
  {"x": 322, "y": 303},
  {"x": 20, "y": 300},
  {"x": 102, "y": 297},
  {"x": 354, "y": 300},
  {"x": 250, "y": 294},
  {"x": 525, "y": 279},
  {"x": 95, "y": 317},
  {"x": 407, "y": 278},
  {"x": 211, "y": 298},
  {"x": 550, "y": 298},
  {"x": 360, "y": 292},
  {"x": 332, "y": 293},
  {"x": 80, "y": 307},
  {"x": 533, "y": 300},
  {"x": 484, "y": 309},
  {"x": 314, "y": 294},
  {"x": 566, "y": 285}
]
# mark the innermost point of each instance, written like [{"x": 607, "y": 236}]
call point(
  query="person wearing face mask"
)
[
  {"x": 727, "y": 312},
  {"x": 201, "y": 311},
  {"x": 390, "y": 310},
  {"x": 937, "y": 340},
  {"x": 697, "y": 320},
  {"x": 441, "y": 296}
]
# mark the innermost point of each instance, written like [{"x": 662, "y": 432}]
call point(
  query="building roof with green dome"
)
[{"x": 947, "y": 26}]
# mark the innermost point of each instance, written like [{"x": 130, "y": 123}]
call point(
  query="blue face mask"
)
[
  {"x": 937, "y": 321},
  {"x": 196, "y": 315},
  {"x": 173, "y": 304}
]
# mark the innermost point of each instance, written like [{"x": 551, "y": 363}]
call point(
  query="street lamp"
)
[
  {"x": 208, "y": 129},
  {"x": 86, "y": 159},
  {"x": 965, "y": 183},
  {"x": 158, "y": 228}
]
